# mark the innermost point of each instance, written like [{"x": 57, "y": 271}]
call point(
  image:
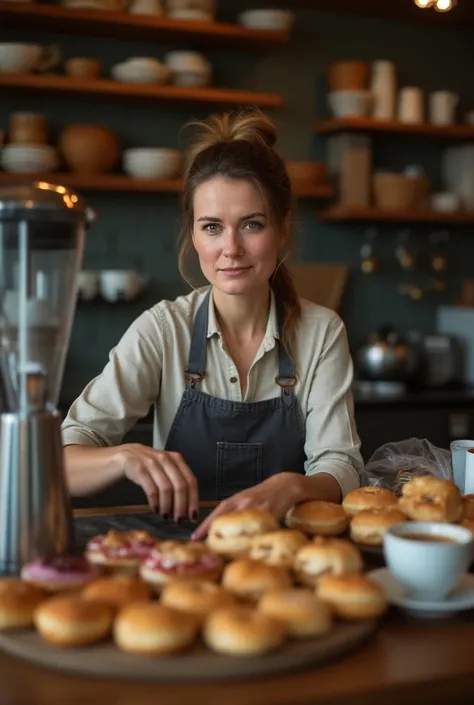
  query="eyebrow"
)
[{"x": 245, "y": 217}]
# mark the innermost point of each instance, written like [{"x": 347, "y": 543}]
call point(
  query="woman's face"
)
[{"x": 236, "y": 244}]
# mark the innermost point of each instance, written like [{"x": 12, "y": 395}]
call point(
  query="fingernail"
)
[
  {"x": 194, "y": 515},
  {"x": 166, "y": 517}
]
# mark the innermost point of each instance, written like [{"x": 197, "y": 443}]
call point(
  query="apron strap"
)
[
  {"x": 286, "y": 369},
  {"x": 197, "y": 353}
]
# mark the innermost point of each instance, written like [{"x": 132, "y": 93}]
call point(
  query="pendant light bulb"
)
[
  {"x": 424, "y": 4},
  {"x": 444, "y": 5}
]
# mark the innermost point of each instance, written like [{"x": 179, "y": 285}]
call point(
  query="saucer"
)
[{"x": 462, "y": 598}]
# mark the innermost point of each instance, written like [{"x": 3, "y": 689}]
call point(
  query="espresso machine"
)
[{"x": 42, "y": 229}]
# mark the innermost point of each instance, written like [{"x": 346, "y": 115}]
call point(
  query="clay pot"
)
[
  {"x": 306, "y": 172},
  {"x": 349, "y": 76},
  {"x": 28, "y": 128},
  {"x": 89, "y": 149}
]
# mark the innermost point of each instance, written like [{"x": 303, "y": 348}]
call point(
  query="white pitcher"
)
[{"x": 443, "y": 106}]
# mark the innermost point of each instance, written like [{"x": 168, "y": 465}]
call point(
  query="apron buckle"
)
[
  {"x": 193, "y": 378},
  {"x": 286, "y": 383}
]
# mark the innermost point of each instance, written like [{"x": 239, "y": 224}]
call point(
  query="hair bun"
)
[{"x": 248, "y": 125}]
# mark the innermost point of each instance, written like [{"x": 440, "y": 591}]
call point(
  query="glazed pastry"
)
[
  {"x": 324, "y": 555},
  {"x": 120, "y": 550},
  {"x": 60, "y": 573},
  {"x": 299, "y": 610},
  {"x": 369, "y": 526},
  {"x": 249, "y": 579},
  {"x": 368, "y": 498},
  {"x": 18, "y": 602},
  {"x": 352, "y": 596},
  {"x": 71, "y": 621},
  {"x": 151, "y": 628},
  {"x": 277, "y": 547},
  {"x": 242, "y": 631},
  {"x": 173, "y": 560},
  {"x": 231, "y": 534},
  {"x": 317, "y": 518},
  {"x": 117, "y": 590},
  {"x": 428, "y": 498},
  {"x": 196, "y": 597}
]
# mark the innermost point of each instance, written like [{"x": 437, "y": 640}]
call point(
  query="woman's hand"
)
[
  {"x": 170, "y": 486},
  {"x": 277, "y": 495}
]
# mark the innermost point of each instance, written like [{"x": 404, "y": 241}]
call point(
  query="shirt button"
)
[{"x": 233, "y": 380}]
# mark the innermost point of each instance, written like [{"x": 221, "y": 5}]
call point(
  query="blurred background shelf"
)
[
  {"x": 114, "y": 89},
  {"x": 362, "y": 124},
  {"x": 342, "y": 213},
  {"x": 121, "y": 25}
]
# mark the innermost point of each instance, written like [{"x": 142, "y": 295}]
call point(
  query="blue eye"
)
[
  {"x": 211, "y": 228},
  {"x": 254, "y": 225}
]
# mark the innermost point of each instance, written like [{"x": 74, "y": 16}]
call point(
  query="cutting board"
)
[
  {"x": 323, "y": 284},
  {"x": 106, "y": 661}
]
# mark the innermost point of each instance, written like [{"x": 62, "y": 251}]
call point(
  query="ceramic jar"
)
[{"x": 89, "y": 149}]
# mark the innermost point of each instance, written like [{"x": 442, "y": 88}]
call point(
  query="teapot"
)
[
  {"x": 16, "y": 57},
  {"x": 388, "y": 357}
]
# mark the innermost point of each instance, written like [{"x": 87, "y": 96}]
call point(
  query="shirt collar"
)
[{"x": 271, "y": 333}]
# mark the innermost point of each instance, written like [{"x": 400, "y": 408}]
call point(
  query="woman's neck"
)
[{"x": 242, "y": 318}]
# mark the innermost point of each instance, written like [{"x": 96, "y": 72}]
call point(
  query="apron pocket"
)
[{"x": 239, "y": 466}]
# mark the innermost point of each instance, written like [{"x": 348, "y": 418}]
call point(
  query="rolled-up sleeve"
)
[
  {"x": 332, "y": 443},
  {"x": 123, "y": 393}
]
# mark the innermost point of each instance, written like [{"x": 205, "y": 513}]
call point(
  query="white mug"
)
[
  {"x": 443, "y": 107},
  {"x": 116, "y": 284},
  {"x": 458, "y": 454},
  {"x": 410, "y": 105},
  {"x": 88, "y": 285}
]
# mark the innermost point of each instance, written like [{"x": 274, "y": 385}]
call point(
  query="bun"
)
[
  {"x": 60, "y": 573},
  {"x": 70, "y": 621},
  {"x": 242, "y": 631},
  {"x": 277, "y": 547},
  {"x": 151, "y": 628},
  {"x": 180, "y": 559},
  {"x": 324, "y": 556},
  {"x": 231, "y": 534},
  {"x": 249, "y": 125},
  {"x": 117, "y": 590},
  {"x": 196, "y": 597},
  {"x": 18, "y": 602},
  {"x": 318, "y": 518},
  {"x": 120, "y": 551},
  {"x": 249, "y": 579},
  {"x": 352, "y": 596},
  {"x": 299, "y": 610},
  {"x": 428, "y": 498},
  {"x": 369, "y": 526},
  {"x": 368, "y": 498}
]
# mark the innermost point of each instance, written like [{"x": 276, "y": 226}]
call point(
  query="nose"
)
[{"x": 232, "y": 245}]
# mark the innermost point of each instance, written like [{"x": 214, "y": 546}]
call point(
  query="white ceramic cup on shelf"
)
[
  {"x": 88, "y": 284},
  {"x": 459, "y": 457},
  {"x": 410, "y": 105},
  {"x": 121, "y": 284},
  {"x": 428, "y": 570},
  {"x": 442, "y": 107}
]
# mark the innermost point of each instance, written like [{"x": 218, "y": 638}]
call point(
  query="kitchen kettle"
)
[{"x": 387, "y": 356}]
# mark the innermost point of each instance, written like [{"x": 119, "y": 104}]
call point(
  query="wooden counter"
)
[{"x": 407, "y": 662}]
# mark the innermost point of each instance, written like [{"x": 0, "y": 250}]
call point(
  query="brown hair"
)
[{"x": 240, "y": 146}]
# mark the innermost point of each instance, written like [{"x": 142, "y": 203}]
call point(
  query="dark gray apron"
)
[{"x": 232, "y": 445}]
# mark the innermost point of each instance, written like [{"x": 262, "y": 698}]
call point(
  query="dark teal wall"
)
[{"x": 141, "y": 230}]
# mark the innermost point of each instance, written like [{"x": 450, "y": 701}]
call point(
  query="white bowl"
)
[
  {"x": 186, "y": 61},
  {"x": 192, "y": 79},
  {"x": 350, "y": 103},
  {"x": 429, "y": 570},
  {"x": 152, "y": 163},
  {"x": 31, "y": 158},
  {"x": 192, "y": 15},
  {"x": 141, "y": 71},
  {"x": 269, "y": 20},
  {"x": 445, "y": 202}
]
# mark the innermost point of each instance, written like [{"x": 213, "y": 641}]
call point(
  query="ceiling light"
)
[
  {"x": 424, "y": 3},
  {"x": 444, "y": 5}
]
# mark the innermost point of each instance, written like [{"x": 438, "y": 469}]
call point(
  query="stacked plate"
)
[
  {"x": 189, "y": 68},
  {"x": 152, "y": 163},
  {"x": 29, "y": 158}
]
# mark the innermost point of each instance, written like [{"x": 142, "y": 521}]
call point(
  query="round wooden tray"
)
[{"x": 107, "y": 661}]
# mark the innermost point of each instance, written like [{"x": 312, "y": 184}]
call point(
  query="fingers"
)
[
  {"x": 193, "y": 490},
  {"x": 163, "y": 486},
  {"x": 148, "y": 486}
]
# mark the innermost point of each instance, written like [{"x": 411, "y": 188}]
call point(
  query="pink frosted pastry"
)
[
  {"x": 60, "y": 573},
  {"x": 120, "y": 550}
]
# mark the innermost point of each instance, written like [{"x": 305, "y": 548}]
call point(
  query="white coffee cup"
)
[
  {"x": 458, "y": 456},
  {"x": 442, "y": 105},
  {"x": 117, "y": 284},
  {"x": 410, "y": 105},
  {"x": 88, "y": 284},
  {"x": 429, "y": 570}
]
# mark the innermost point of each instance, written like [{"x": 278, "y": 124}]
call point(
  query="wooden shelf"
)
[
  {"x": 119, "y": 182},
  {"x": 449, "y": 132},
  {"x": 126, "y": 26},
  {"x": 342, "y": 213},
  {"x": 77, "y": 87}
]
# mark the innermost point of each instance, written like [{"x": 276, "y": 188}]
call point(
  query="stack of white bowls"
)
[
  {"x": 29, "y": 158},
  {"x": 267, "y": 20},
  {"x": 199, "y": 10},
  {"x": 152, "y": 163},
  {"x": 141, "y": 69},
  {"x": 189, "y": 68}
]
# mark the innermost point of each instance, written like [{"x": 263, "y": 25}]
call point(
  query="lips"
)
[{"x": 235, "y": 269}]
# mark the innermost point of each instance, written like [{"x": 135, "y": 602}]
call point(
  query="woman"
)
[{"x": 250, "y": 385}]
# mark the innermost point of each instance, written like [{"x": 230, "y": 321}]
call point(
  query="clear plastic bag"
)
[{"x": 397, "y": 462}]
